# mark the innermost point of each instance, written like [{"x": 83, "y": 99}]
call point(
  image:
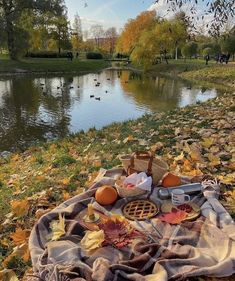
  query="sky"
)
[{"x": 108, "y": 13}]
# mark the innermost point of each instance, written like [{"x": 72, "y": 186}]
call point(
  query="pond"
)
[{"x": 34, "y": 109}]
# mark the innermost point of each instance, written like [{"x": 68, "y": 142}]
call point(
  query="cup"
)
[{"x": 178, "y": 197}]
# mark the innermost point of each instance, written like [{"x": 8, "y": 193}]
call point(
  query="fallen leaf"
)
[
  {"x": 214, "y": 159},
  {"x": 179, "y": 157},
  {"x": 97, "y": 163},
  {"x": 20, "y": 208},
  {"x": 143, "y": 142},
  {"x": 58, "y": 228},
  {"x": 175, "y": 217},
  {"x": 157, "y": 146},
  {"x": 92, "y": 240},
  {"x": 20, "y": 236},
  {"x": 8, "y": 275},
  {"x": 65, "y": 181},
  {"x": 207, "y": 142},
  {"x": 129, "y": 139}
]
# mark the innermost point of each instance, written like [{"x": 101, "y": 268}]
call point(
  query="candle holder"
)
[{"x": 91, "y": 218}]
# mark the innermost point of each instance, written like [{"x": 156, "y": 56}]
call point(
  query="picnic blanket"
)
[{"x": 202, "y": 247}]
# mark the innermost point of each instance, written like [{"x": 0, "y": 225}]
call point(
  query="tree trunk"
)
[
  {"x": 176, "y": 53},
  {"x": 10, "y": 30},
  {"x": 11, "y": 41}
]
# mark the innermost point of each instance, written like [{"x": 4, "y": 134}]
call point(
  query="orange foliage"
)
[{"x": 133, "y": 29}]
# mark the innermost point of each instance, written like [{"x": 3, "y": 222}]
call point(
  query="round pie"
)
[{"x": 140, "y": 210}]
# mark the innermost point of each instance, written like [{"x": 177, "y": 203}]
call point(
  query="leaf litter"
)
[{"x": 194, "y": 140}]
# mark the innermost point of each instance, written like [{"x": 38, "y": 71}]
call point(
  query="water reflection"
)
[{"x": 36, "y": 109}]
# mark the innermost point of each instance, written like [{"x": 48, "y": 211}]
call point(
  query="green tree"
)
[
  {"x": 189, "y": 49},
  {"x": 12, "y": 11},
  {"x": 59, "y": 31},
  {"x": 227, "y": 43}
]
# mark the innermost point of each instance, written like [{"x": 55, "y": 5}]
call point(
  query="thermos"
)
[{"x": 191, "y": 188}]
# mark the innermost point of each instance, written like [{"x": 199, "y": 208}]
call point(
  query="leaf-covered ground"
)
[{"x": 194, "y": 140}]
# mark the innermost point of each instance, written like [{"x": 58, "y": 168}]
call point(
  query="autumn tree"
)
[
  {"x": 76, "y": 38},
  {"x": 97, "y": 32},
  {"x": 110, "y": 39},
  {"x": 12, "y": 11},
  {"x": 132, "y": 31}
]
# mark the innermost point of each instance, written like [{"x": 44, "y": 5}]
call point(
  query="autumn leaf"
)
[
  {"x": 58, "y": 228},
  {"x": 118, "y": 232},
  {"x": 179, "y": 157},
  {"x": 207, "y": 142},
  {"x": 157, "y": 146},
  {"x": 20, "y": 208},
  {"x": 92, "y": 240},
  {"x": 175, "y": 217},
  {"x": 97, "y": 163},
  {"x": 20, "y": 236},
  {"x": 65, "y": 181},
  {"x": 214, "y": 159},
  {"x": 21, "y": 251},
  {"x": 8, "y": 275},
  {"x": 129, "y": 139}
]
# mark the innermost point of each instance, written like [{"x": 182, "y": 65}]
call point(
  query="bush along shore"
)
[{"x": 194, "y": 140}]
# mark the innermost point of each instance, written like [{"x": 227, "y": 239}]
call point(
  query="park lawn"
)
[
  {"x": 37, "y": 180},
  {"x": 220, "y": 74},
  {"x": 50, "y": 65}
]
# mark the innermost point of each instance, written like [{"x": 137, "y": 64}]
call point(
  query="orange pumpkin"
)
[
  {"x": 170, "y": 180},
  {"x": 106, "y": 195}
]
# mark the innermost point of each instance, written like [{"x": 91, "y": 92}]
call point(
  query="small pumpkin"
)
[
  {"x": 106, "y": 195},
  {"x": 170, "y": 180}
]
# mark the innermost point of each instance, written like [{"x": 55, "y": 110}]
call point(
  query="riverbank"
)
[
  {"x": 196, "y": 70},
  {"x": 47, "y": 66},
  {"x": 194, "y": 140}
]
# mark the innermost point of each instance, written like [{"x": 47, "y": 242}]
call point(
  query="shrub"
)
[
  {"x": 94, "y": 56},
  {"x": 46, "y": 54}
]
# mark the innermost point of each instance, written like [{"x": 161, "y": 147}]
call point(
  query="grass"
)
[
  {"x": 50, "y": 65},
  {"x": 197, "y": 70}
]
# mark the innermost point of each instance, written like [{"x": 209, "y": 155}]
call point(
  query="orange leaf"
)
[
  {"x": 175, "y": 217},
  {"x": 20, "y": 236},
  {"x": 20, "y": 208}
]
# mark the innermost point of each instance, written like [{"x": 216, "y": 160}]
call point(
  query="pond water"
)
[{"x": 34, "y": 109}]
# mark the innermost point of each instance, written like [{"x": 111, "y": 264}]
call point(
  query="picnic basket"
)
[{"x": 144, "y": 161}]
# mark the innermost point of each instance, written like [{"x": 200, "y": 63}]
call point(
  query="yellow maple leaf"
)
[
  {"x": 8, "y": 275},
  {"x": 214, "y": 159},
  {"x": 20, "y": 236},
  {"x": 207, "y": 142},
  {"x": 58, "y": 228},
  {"x": 20, "y": 208},
  {"x": 92, "y": 240},
  {"x": 65, "y": 181},
  {"x": 179, "y": 157}
]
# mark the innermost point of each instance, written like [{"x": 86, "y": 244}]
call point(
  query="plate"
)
[{"x": 167, "y": 206}]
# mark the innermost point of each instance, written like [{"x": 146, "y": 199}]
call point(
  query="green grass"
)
[{"x": 50, "y": 65}]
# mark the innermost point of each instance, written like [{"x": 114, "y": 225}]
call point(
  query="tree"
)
[
  {"x": 189, "y": 49},
  {"x": 227, "y": 43},
  {"x": 97, "y": 32},
  {"x": 12, "y": 10},
  {"x": 77, "y": 39},
  {"x": 59, "y": 31},
  {"x": 132, "y": 31},
  {"x": 111, "y": 39}
]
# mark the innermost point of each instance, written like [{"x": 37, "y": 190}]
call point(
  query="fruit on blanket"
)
[
  {"x": 106, "y": 195},
  {"x": 170, "y": 180}
]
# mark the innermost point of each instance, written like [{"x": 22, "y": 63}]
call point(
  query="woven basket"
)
[
  {"x": 144, "y": 162},
  {"x": 125, "y": 192}
]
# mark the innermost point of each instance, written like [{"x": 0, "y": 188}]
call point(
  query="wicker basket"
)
[
  {"x": 144, "y": 162},
  {"x": 125, "y": 192}
]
